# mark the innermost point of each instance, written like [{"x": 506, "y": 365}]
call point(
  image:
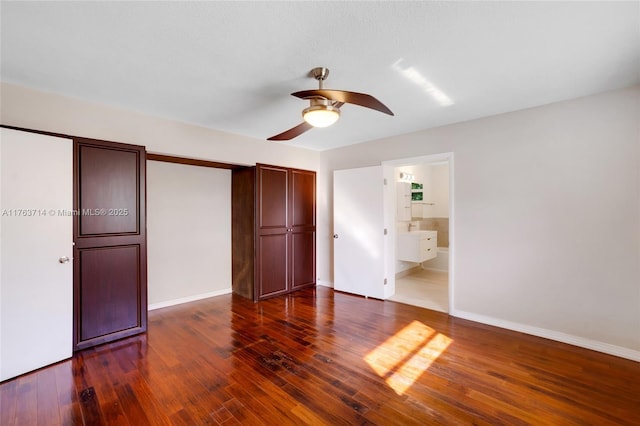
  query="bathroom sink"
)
[{"x": 416, "y": 246}]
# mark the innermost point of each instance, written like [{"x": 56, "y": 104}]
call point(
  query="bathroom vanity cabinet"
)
[
  {"x": 417, "y": 246},
  {"x": 273, "y": 230}
]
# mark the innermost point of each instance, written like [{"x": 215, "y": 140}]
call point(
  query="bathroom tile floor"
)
[{"x": 425, "y": 288}]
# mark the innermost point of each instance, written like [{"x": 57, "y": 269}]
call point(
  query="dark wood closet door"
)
[
  {"x": 243, "y": 227},
  {"x": 272, "y": 245},
  {"x": 302, "y": 212},
  {"x": 303, "y": 255},
  {"x": 110, "y": 273}
]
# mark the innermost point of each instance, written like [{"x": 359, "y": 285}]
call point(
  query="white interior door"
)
[
  {"x": 36, "y": 288},
  {"x": 359, "y": 231}
]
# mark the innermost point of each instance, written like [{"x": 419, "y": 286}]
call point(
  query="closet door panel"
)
[
  {"x": 273, "y": 197},
  {"x": 303, "y": 259},
  {"x": 109, "y": 191},
  {"x": 109, "y": 295},
  {"x": 303, "y": 198},
  {"x": 272, "y": 263},
  {"x": 110, "y": 277}
]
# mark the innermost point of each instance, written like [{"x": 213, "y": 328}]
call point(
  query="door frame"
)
[{"x": 426, "y": 160}]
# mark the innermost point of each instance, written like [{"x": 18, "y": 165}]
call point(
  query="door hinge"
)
[
  {"x": 385, "y": 231},
  {"x": 385, "y": 181},
  {"x": 385, "y": 281}
]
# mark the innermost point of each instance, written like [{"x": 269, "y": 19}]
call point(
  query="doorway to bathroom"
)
[{"x": 424, "y": 231}]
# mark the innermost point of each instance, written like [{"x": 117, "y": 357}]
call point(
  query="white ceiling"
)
[{"x": 231, "y": 66}]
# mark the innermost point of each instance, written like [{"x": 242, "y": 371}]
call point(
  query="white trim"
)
[
  {"x": 558, "y": 336},
  {"x": 435, "y": 269},
  {"x": 324, "y": 283},
  {"x": 409, "y": 271},
  {"x": 187, "y": 299},
  {"x": 426, "y": 159}
]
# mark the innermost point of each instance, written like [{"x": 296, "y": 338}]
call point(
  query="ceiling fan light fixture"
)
[
  {"x": 321, "y": 115},
  {"x": 324, "y": 106}
]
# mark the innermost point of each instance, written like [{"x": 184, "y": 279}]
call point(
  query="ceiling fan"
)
[{"x": 324, "y": 108}]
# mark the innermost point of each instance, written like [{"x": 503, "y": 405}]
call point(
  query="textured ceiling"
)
[{"x": 231, "y": 66}]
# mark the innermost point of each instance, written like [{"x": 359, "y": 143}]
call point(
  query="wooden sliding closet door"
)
[
  {"x": 110, "y": 273},
  {"x": 272, "y": 231},
  {"x": 302, "y": 213}
]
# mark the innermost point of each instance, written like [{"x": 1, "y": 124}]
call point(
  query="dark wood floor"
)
[{"x": 319, "y": 357}]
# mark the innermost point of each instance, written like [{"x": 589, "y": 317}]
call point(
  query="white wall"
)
[
  {"x": 188, "y": 232},
  {"x": 32, "y": 109},
  {"x": 547, "y": 226}
]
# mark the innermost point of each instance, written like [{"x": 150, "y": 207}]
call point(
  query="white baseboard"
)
[
  {"x": 435, "y": 269},
  {"x": 173, "y": 302},
  {"x": 406, "y": 272},
  {"x": 558, "y": 336}
]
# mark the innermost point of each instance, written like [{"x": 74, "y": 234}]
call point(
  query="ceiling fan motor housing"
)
[
  {"x": 321, "y": 113},
  {"x": 320, "y": 73}
]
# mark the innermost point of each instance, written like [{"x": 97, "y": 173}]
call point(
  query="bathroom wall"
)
[
  {"x": 440, "y": 224},
  {"x": 435, "y": 179},
  {"x": 433, "y": 213},
  {"x": 436, "y": 183}
]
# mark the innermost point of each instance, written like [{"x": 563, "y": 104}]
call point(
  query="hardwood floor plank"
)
[
  {"x": 102, "y": 368},
  {"x": 90, "y": 406},
  {"x": 263, "y": 402},
  {"x": 48, "y": 408},
  {"x": 27, "y": 399},
  {"x": 243, "y": 414},
  {"x": 181, "y": 418},
  {"x": 324, "y": 357},
  {"x": 67, "y": 395},
  {"x": 8, "y": 402}
]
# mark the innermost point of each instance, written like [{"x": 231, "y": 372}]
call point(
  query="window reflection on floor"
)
[{"x": 406, "y": 355}]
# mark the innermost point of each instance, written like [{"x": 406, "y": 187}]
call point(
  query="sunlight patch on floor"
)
[{"x": 406, "y": 355}]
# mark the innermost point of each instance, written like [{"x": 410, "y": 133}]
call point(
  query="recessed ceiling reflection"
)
[{"x": 414, "y": 76}]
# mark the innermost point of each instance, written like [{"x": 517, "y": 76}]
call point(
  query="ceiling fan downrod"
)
[{"x": 320, "y": 74}]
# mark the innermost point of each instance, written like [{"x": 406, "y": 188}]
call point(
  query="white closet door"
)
[
  {"x": 36, "y": 235},
  {"x": 359, "y": 239}
]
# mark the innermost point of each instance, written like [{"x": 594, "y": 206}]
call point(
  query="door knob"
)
[
  {"x": 63, "y": 259},
  {"x": 335, "y": 236}
]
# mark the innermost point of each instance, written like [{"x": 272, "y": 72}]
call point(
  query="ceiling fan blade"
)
[
  {"x": 292, "y": 133},
  {"x": 355, "y": 98}
]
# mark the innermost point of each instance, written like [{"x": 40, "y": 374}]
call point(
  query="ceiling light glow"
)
[{"x": 321, "y": 115}]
